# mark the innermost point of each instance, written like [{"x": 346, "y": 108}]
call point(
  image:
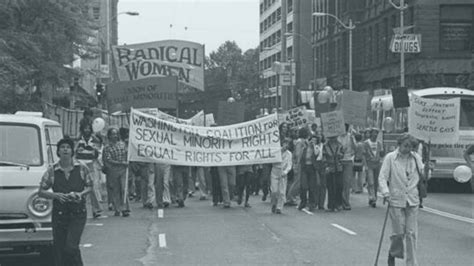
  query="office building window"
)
[
  {"x": 289, "y": 27},
  {"x": 456, "y": 28},
  {"x": 96, "y": 12},
  {"x": 290, "y": 6}
]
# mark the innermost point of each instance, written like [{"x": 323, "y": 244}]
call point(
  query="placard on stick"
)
[{"x": 333, "y": 124}]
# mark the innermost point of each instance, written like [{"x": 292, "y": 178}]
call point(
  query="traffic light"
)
[{"x": 100, "y": 91}]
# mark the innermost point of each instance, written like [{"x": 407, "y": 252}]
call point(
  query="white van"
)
[{"x": 27, "y": 148}]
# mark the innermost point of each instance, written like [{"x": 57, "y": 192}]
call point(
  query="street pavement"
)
[{"x": 201, "y": 234}]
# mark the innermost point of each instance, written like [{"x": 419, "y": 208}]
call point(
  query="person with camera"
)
[{"x": 70, "y": 181}]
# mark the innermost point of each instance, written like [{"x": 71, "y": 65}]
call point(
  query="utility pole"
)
[
  {"x": 402, "y": 7},
  {"x": 284, "y": 89}
]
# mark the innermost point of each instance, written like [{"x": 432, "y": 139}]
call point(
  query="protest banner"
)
[
  {"x": 354, "y": 107},
  {"x": 145, "y": 93},
  {"x": 229, "y": 113},
  {"x": 182, "y": 59},
  {"x": 435, "y": 120},
  {"x": 156, "y": 140},
  {"x": 296, "y": 117},
  {"x": 333, "y": 124}
]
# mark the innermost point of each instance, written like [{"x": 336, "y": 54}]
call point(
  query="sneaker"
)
[
  {"x": 226, "y": 205},
  {"x": 273, "y": 208},
  {"x": 111, "y": 207},
  {"x": 301, "y": 206},
  {"x": 202, "y": 198},
  {"x": 116, "y": 213},
  {"x": 247, "y": 205},
  {"x": 96, "y": 215},
  {"x": 180, "y": 203},
  {"x": 239, "y": 200},
  {"x": 166, "y": 204},
  {"x": 346, "y": 208},
  {"x": 278, "y": 211},
  {"x": 125, "y": 213},
  {"x": 148, "y": 206},
  {"x": 264, "y": 197}
]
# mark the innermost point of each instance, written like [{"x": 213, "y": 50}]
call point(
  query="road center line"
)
[
  {"x": 448, "y": 215},
  {"x": 162, "y": 240},
  {"x": 160, "y": 213},
  {"x": 308, "y": 212},
  {"x": 344, "y": 229},
  {"x": 95, "y": 224}
]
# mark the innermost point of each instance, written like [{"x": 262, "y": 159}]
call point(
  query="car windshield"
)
[{"x": 20, "y": 144}]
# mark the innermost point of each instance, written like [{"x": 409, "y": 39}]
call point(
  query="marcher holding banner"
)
[
  {"x": 279, "y": 177},
  {"x": 115, "y": 161},
  {"x": 398, "y": 180}
]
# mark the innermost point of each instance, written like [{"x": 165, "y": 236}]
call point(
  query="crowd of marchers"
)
[{"x": 316, "y": 173}]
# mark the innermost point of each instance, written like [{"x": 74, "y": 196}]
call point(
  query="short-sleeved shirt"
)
[{"x": 47, "y": 180}]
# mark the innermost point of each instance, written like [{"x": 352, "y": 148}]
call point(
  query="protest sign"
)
[
  {"x": 435, "y": 120},
  {"x": 229, "y": 113},
  {"x": 296, "y": 117},
  {"x": 182, "y": 59},
  {"x": 333, "y": 124},
  {"x": 147, "y": 93},
  {"x": 155, "y": 140},
  {"x": 400, "y": 97},
  {"x": 354, "y": 107}
]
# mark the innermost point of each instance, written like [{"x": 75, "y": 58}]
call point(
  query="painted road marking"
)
[
  {"x": 88, "y": 245},
  {"x": 448, "y": 215},
  {"x": 162, "y": 240},
  {"x": 160, "y": 213},
  {"x": 95, "y": 224},
  {"x": 308, "y": 212},
  {"x": 344, "y": 229}
]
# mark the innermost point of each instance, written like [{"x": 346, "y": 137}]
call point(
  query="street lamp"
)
[
  {"x": 349, "y": 27},
  {"x": 402, "y": 7}
]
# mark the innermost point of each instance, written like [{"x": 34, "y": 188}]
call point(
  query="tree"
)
[
  {"x": 229, "y": 69},
  {"x": 38, "y": 38}
]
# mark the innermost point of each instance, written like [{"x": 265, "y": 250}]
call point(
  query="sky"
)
[{"x": 210, "y": 22}]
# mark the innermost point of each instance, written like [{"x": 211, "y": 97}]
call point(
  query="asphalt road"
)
[{"x": 206, "y": 235}]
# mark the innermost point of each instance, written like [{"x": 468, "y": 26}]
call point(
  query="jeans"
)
[
  {"x": 404, "y": 227},
  {"x": 308, "y": 186},
  {"x": 216, "y": 186},
  {"x": 320, "y": 185},
  {"x": 161, "y": 178},
  {"x": 373, "y": 182},
  {"x": 278, "y": 187},
  {"x": 180, "y": 181},
  {"x": 348, "y": 176},
  {"x": 95, "y": 195},
  {"x": 147, "y": 189},
  {"x": 117, "y": 182},
  {"x": 67, "y": 231},
  {"x": 334, "y": 184},
  {"x": 244, "y": 182},
  {"x": 227, "y": 181}
]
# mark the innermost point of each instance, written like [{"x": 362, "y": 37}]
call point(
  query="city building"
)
[
  {"x": 445, "y": 56},
  {"x": 285, "y": 31},
  {"x": 95, "y": 72}
]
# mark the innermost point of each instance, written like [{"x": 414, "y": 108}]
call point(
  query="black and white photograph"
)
[{"x": 236, "y": 132}]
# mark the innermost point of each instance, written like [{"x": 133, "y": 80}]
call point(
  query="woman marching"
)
[
  {"x": 398, "y": 181},
  {"x": 70, "y": 181}
]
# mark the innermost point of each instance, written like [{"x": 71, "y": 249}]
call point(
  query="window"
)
[
  {"x": 20, "y": 144},
  {"x": 96, "y": 12},
  {"x": 467, "y": 112},
  {"x": 290, "y": 6},
  {"x": 53, "y": 135},
  {"x": 289, "y": 27},
  {"x": 456, "y": 27}
]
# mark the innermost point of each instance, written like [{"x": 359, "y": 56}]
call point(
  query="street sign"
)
[
  {"x": 287, "y": 75},
  {"x": 411, "y": 43}
]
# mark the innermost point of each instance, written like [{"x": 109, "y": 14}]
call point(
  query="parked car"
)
[{"x": 27, "y": 148}]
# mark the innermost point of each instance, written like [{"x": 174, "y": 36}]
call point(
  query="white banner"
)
[
  {"x": 435, "y": 120},
  {"x": 156, "y": 140},
  {"x": 295, "y": 118}
]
